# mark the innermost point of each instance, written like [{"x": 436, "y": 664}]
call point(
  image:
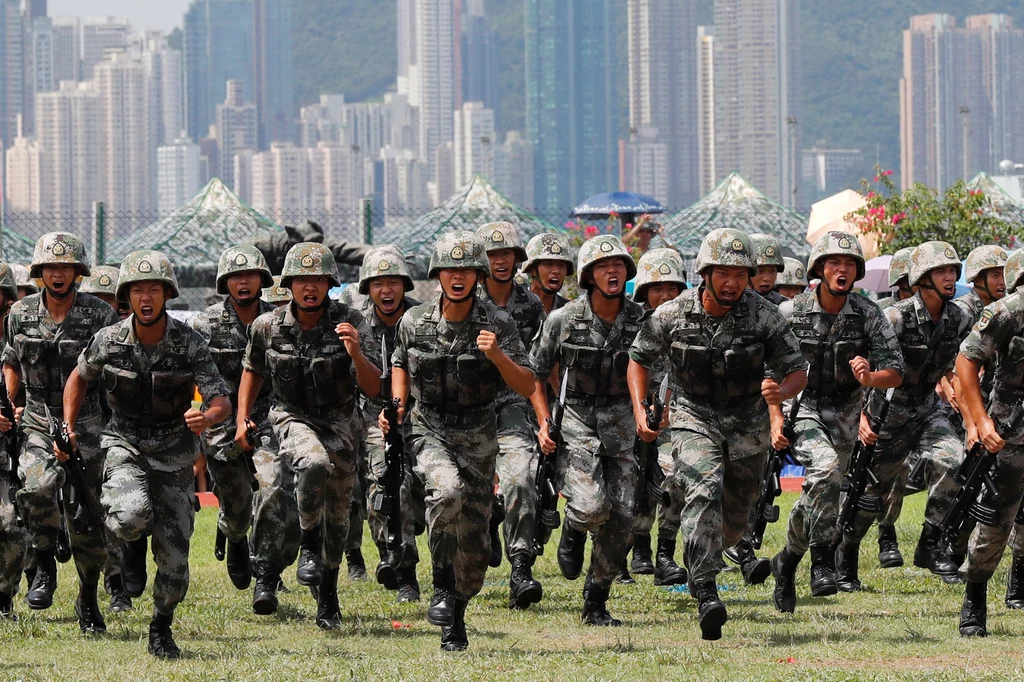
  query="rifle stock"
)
[
  {"x": 771, "y": 479},
  {"x": 859, "y": 475},
  {"x": 12, "y": 447},
  {"x": 387, "y": 500},
  {"x": 547, "y": 517}
]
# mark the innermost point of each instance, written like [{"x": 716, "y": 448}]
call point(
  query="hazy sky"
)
[{"x": 143, "y": 14}]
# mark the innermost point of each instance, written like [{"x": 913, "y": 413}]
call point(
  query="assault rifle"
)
[
  {"x": 771, "y": 479},
  {"x": 547, "y": 516},
  {"x": 86, "y": 518},
  {"x": 12, "y": 446},
  {"x": 647, "y": 453},
  {"x": 859, "y": 474},
  {"x": 387, "y": 501},
  {"x": 252, "y": 435}
]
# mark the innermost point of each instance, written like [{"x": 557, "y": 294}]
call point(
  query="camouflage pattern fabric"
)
[
  {"x": 899, "y": 266},
  {"x": 277, "y": 293},
  {"x": 719, "y": 424},
  {"x": 728, "y": 247},
  {"x": 835, "y": 243},
  {"x": 656, "y": 266},
  {"x": 767, "y": 251},
  {"x": 983, "y": 258},
  {"x": 929, "y": 256},
  {"x": 502, "y": 235},
  {"x": 145, "y": 266},
  {"x": 596, "y": 463},
  {"x": 13, "y": 536},
  {"x": 795, "y": 275},
  {"x": 599, "y": 248},
  {"x": 309, "y": 259},
  {"x": 23, "y": 279},
  {"x": 464, "y": 250},
  {"x": 358, "y": 513},
  {"x": 243, "y": 258},
  {"x": 455, "y": 446},
  {"x": 548, "y": 246},
  {"x": 102, "y": 281},
  {"x": 668, "y": 517},
  {"x": 275, "y": 514},
  {"x": 59, "y": 248}
]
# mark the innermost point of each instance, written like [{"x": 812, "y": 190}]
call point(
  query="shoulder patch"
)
[{"x": 986, "y": 317}]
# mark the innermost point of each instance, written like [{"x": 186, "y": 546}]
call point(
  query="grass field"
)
[{"x": 902, "y": 626}]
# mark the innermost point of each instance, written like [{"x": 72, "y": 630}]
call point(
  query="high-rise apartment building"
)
[
  {"x": 39, "y": 73},
  {"x": 23, "y": 179},
  {"x": 708, "y": 166},
  {"x": 480, "y": 77},
  {"x": 236, "y": 129},
  {"x": 280, "y": 181},
  {"x": 336, "y": 177},
  {"x": 513, "y": 169},
  {"x": 12, "y": 70},
  {"x": 273, "y": 73},
  {"x": 67, "y": 49},
  {"x": 71, "y": 143},
  {"x": 475, "y": 143},
  {"x": 757, "y": 93},
  {"x": 167, "y": 88},
  {"x": 646, "y": 164},
  {"x": 571, "y": 99},
  {"x": 178, "y": 174},
  {"x": 99, "y": 35}
]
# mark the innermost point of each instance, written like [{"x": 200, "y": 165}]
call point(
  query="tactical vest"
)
[
  {"x": 158, "y": 398},
  {"x": 448, "y": 384},
  {"x": 525, "y": 315},
  {"x": 227, "y": 346},
  {"x": 829, "y": 355},
  {"x": 597, "y": 373},
  {"x": 927, "y": 359},
  {"x": 47, "y": 363},
  {"x": 311, "y": 385},
  {"x": 716, "y": 377}
]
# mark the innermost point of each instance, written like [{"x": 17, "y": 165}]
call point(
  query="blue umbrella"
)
[{"x": 617, "y": 202}]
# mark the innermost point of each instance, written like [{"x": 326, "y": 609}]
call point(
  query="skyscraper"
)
[
  {"x": 571, "y": 106},
  {"x": 479, "y": 57},
  {"x": 167, "y": 90},
  {"x": 24, "y": 178},
  {"x": 663, "y": 94},
  {"x": 12, "y": 87},
  {"x": 706, "y": 109},
  {"x": 99, "y": 35},
  {"x": 218, "y": 47},
  {"x": 273, "y": 77},
  {"x": 513, "y": 169},
  {"x": 236, "y": 129},
  {"x": 39, "y": 74},
  {"x": 67, "y": 49},
  {"x": 178, "y": 174},
  {"x": 475, "y": 143},
  {"x": 757, "y": 93},
  {"x": 995, "y": 59},
  {"x": 68, "y": 131}
]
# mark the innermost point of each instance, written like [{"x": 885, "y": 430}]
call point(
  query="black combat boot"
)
[
  {"x": 755, "y": 571},
  {"x": 454, "y": 637},
  {"x": 710, "y": 610},
  {"x": 495, "y": 535},
  {"x": 310, "y": 572},
  {"x": 595, "y": 606},
  {"x": 239, "y": 567},
  {"x": 624, "y": 578},
  {"x": 1015, "y": 584},
  {"x": 408, "y": 585},
  {"x": 571, "y": 548},
  {"x": 974, "y": 611},
  {"x": 642, "y": 563},
  {"x": 666, "y": 570},
  {"x": 328, "y": 612},
  {"x": 931, "y": 552},
  {"x": 958, "y": 559},
  {"x": 40, "y": 593},
  {"x": 386, "y": 574},
  {"x": 889, "y": 555},
  {"x": 783, "y": 567},
  {"x": 823, "y": 571},
  {"x": 264, "y": 595},
  {"x": 523, "y": 589},
  {"x": 441, "y": 611},
  {"x": 356, "y": 565},
  {"x": 133, "y": 566},
  {"x": 119, "y": 599},
  {"x": 90, "y": 620},
  {"x": 161, "y": 641},
  {"x": 847, "y": 560},
  {"x": 7, "y": 607}
]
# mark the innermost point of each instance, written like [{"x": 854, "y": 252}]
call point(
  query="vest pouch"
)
[
  {"x": 172, "y": 395},
  {"x": 1011, "y": 371},
  {"x": 286, "y": 371},
  {"x": 427, "y": 373},
  {"x": 229, "y": 363},
  {"x": 744, "y": 371},
  {"x": 325, "y": 387},
  {"x": 36, "y": 362},
  {"x": 845, "y": 351},
  {"x": 584, "y": 365},
  {"x": 617, "y": 385},
  {"x": 915, "y": 358},
  {"x": 123, "y": 389},
  {"x": 692, "y": 369},
  {"x": 69, "y": 350},
  {"x": 478, "y": 380}
]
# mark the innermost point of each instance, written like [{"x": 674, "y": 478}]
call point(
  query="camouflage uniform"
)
[
  {"x": 768, "y": 251},
  {"x": 829, "y": 414},
  {"x": 148, "y": 484},
  {"x": 23, "y": 279},
  {"x": 793, "y": 276},
  {"x": 917, "y": 420},
  {"x": 719, "y": 424},
  {"x": 43, "y": 353},
  {"x": 13, "y": 538},
  {"x": 276, "y": 293},
  {"x": 549, "y": 246}
]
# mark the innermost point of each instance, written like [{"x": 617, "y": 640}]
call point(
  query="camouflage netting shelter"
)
[
  {"x": 737, "y": 204},
  {"x": 469, "y": 208},
  {"x": 16, "y": 249},
  {"x": 194, "y": 235},
  {"x": 1002, "y": 201}
]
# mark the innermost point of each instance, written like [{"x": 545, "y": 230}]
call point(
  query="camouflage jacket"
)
[
  {"x": 45, "y": 353},
  {"x": 972, "y": 305},
  {"x": 929, "y": 351},
  {"x": 454, "y": 384},
  {"x": 149, "y": 389},
  {"x": 228, "y": 338},
  {"x": 773, "y": 297},
  {"x": 372, "y": 407},
  {"x": 527, "y": 312},
  {"x": 998, "y": 340}
]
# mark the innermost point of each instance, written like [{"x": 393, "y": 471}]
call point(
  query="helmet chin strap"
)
[
  {"x": 156, "y": 320},
  {"x": 59, "y": 294},
  {"x": 610, "y": 297},
  {"x": 549, "y": 292},
  {"x": 247, "y": 302},
  {"x": 315, "y": 308},
  {"x": 714, "y": 295},
  {"x": 946, "y": 298},
  {"x": 503, "y": 281},
  {"x": 838, "y": 293}
]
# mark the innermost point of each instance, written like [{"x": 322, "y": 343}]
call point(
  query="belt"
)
[
  {"x": 584, "y": 400},
  {"x": 460, "y": 417}
]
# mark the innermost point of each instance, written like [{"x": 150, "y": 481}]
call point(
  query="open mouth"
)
[
  {"x": 388, "y": 303},
  {"x": 310, "y": 300},
  {"x": 763, "y": 288},
  {"x": 501, "y": 270},
  {"x": 842, "y": 281},
  {"x": 146, "y": 311},
  {"x": 613, "y": 284},
  {"x": 458, "y": 288},
  {"x": 554, "y": 283},
  {"x": 57, "y": 286},
  {"x": 244, "y": 293}
]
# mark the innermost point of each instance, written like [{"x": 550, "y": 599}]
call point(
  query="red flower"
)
[
  {"x": 629, "y": 226},
  {"x": 877, "y": 178},
  {"x": 591, "y": 231},
  {"x": 888, "y": 172},
  {"x": 613, "y": 214}
]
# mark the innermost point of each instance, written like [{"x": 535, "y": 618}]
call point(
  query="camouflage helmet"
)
[
  {"x": 103, "y": 280},
  {"x": 931, "y": 255},
  {"x": 59, "y": 248},
  {"x": 1013, "y": 271},
  {"x": 599, "y": 248},
  {"x": 309, "y": 259},
  {"x": 983, "y": 258},
  {"x": 502, "y": 235},
  {"x": 835, "y": 243},
  {"x": 145, "y": 266},
  {"x": 728, "y": 247},
  {"x": 793, "y": 276},
  {"x": 767, "y": 250},
  {"x": 461, "y": 249},
  {"x": 22, "y": 278},
  {"x": 383, "y": 261},
  {"x": 899, "y": 266},
  {"x": 7, "y": 283},
  {"x": 244, "y": 258},
  {"x": 276, "y": 293},
  {"x": 655, "y": 267},
  {"x": 548, "y": 246}
]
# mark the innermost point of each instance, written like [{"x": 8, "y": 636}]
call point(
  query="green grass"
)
[{"x": 902, "y": 626}]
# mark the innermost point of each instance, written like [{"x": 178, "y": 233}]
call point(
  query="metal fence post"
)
[
  {"x": 98, "y": 233},
  {"x": 366, "y": 210}
]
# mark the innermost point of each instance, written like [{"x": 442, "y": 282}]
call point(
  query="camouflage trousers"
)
[
  {"x": 718, "y": 481},
  {"x": 517, "y": 473},
  {"x": 824, "y": 443},
  {"x": 13, "y": 541},
  {"x": 140, "y": 500},
  {"x": 668, "y": 516},
  {"x": 986, "y": 544},
  {"x": 231, "y": 482},
  {"x": 275, "y": 517},
  {"x": 410, "y": 498},
  {"x": 933, "y": 439},
  {"x": 43, "y": 477},
  {"x": 457, "y": 468},
  {"x": 358, "y": 515},
  {"x": 599, "y": 481},
  {"x": 325, "y": 481}
]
